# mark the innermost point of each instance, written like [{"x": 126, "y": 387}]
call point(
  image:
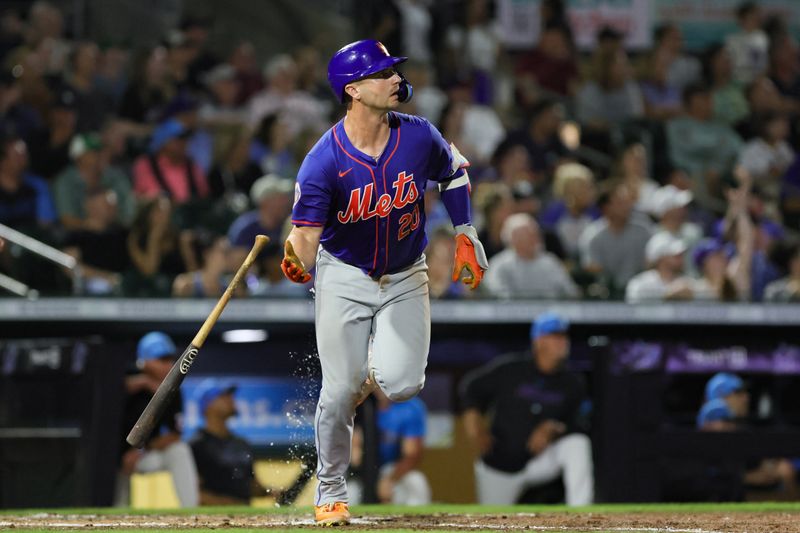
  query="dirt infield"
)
[{"x": 739, "y": 522}]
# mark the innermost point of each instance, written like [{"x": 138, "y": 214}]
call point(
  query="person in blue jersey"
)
[
  {"x": 401, "y": 444},
  {"x": 359, "y": 221}
]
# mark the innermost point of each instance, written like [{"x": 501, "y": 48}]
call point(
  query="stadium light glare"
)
[{"x": 244, "y": 335}]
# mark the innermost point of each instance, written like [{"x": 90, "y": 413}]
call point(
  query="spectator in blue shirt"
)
[
  {"x": 25, "y": 200},
  {"x": 401, "y": 430}
]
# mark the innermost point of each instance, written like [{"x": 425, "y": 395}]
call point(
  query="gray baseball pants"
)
[{"x": 351, "y": 308}]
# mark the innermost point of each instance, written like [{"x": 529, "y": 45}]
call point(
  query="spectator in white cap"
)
[
  {"x": 524, "y": 268},
  {"x": 271, "y": 194},
  {"x": 223, "y": 107},
  {"x": 670, "y": 207},
  {"x": 665, "y": 280}
]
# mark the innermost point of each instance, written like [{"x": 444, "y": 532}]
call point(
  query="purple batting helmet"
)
[{"x": 360, "y": 59}]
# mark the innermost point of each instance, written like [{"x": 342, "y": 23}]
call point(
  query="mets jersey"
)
[{"x": 371, "y": 210}]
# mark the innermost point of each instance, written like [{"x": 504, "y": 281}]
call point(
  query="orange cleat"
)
[{"x": 332, "y": 514}]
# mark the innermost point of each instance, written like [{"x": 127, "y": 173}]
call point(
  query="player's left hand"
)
[
  {"x": 470, "y": 256},
  {"x": 293, "y": 268}
]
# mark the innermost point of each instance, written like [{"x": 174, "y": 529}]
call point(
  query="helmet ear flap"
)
[{"x": 406, "y": 90}]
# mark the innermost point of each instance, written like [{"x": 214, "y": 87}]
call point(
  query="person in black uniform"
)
[
  {"x": 539, "y": 436},
  {"x": 163, "y": 449},
  {"x": 225, "y": 461}
]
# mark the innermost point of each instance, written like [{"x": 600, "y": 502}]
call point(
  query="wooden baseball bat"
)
[{"x": 170, "y": 386}]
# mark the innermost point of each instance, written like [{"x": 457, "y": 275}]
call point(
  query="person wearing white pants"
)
[
  {"x": 164, "y": 449},
  {"x": 537, "y": 435}
]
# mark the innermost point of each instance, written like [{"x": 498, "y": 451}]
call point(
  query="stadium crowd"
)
[{"x": 659, "y": 175}]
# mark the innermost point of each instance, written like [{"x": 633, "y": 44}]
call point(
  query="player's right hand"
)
[{"x": 292, "y": 266}]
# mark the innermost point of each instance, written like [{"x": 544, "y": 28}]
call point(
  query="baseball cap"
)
[
  {"x": 165, "y": 131},
  {"x": 210, "y": 394},
  {"x": 712, "y": 411},
  {"x": 84, "y": 142},
  {"x": 268, "y": 185},
  {"x": 155, "y": 345},
  {"x": 663, "y": 244},
  {"x": 707, "y": 247},
  {"x": 722, "y": 384},
  {"x": 668, "y": 197},
  {"x": 547, "y": 323}
]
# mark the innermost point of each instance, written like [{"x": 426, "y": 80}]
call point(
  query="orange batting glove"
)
[
  {"x": 292, "y": 266},
  {"x": 470, "y": 256}
]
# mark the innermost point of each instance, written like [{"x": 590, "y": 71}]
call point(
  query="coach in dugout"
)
[
  {"x": 163, "y": 449},
  {"x": 525, "y": 416}
]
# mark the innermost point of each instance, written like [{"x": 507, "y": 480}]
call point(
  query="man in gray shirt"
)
[
  {"x": 524, "y": 269},
  {"x": 613, "y": 246}
]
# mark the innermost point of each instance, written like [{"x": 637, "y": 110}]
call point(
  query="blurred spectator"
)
[
  {"x": 473, "y": 127},
  {"x": 784, "y": 66},
  {"x": 158, "y": 249},
  {"x": 163, "y": 449},
  {"x": 92, "y": 104},
  {"x": 429, "y": 100},
  {"x": 272, "y": 283},
  {"x": 763, "y": 98},
  {"x": 730, "y": 389},
  {"x": 786, "y": 289},
  {"x": 540, "y": 136},
  {"x": 767, "y": 156},
  {"x": 524, "y": 269},
  {"x": 730, "y": 104},
  {"x": 712, "y": 259},
  {"x": 704, "y": 148},
  {"x": 271, "y": 147},
  {"x": 790, "y": 195},
  {"x": 50, "y": 145},
  {"x": 476, "y": 48},
  {"x": 149, "y": 91},
  {"x": 526, "y": 417},
  {"x": 611, "y": 96},
  {"x": 212, "y": 254},
  {"x": 669, "y": 206},
  {"x": 196, "y": 31},
  {"x": 401, "y": 429},
  {"x": 415, "y": 27},
  {"x": 662, "y": 100},
  {"x": 89, "y": 171},
  {"x": 224, "y": 461},
  {"x": 113, "y": 72},
  {"x": 494, "y": 203},
  {"x": 167, "y": 168},
  {"x": 550, "y": 67},
  {"x": 223, "y": 107},
  {"x": 16, "y": 116},
  {"x": 271, "y": 194},
  {"x": 573, "y": 208},
  {"x": 749, "y": 46},
  {"x": 613, "y": 246},
  {"x": 512, "y": 165},
  {"x": 682, "y": 69},
  {"x": 310, "y": 73},
  {"x": 233, "y": 175},
  {"x": 665, "y": 280},
  {"x": 199, "y": 141},
  {"x": 25, "y": 200},
  {"x": 98, "y": 244},
  {"x": 282, "y": 97},
  {"x": 632, "y": 168},
  {"x": 439, "y": 256},
  {"x": 244, "y": 61}
]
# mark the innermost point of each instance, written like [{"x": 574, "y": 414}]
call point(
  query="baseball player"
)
[{"x": 359, "y": 216}]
